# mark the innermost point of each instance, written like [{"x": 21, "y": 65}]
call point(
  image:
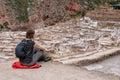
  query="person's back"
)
[{"x": 29, "y": 47}]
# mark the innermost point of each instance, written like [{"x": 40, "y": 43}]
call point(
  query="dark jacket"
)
[{"x": 28, "y": 49}]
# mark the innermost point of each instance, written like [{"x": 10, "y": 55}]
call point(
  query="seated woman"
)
[{"x": 32, "y": 52}]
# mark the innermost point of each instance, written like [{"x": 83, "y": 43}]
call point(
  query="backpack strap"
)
[{"x": 29, "y": 47}]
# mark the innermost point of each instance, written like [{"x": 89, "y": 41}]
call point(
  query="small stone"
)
[
  {"x": 9, "y": 54},
  {"x": 7, "y": 50},
  {"x": 6, "y": 41}
]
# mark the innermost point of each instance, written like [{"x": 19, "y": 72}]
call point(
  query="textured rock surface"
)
[{"x": 74, "y": 37}]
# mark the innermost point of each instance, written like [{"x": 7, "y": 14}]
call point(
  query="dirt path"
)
[{"x": 51, "y": 71}]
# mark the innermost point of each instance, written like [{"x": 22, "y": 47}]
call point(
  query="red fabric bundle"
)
[{"x": 17, "y": 65}]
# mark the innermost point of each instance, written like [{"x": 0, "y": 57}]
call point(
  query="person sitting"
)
[{"x": 31, "y": 52}]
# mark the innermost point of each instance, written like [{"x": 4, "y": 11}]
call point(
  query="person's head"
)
[{"x": 30, "y": 33}]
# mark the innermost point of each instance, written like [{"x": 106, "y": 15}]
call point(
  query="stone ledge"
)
[{"x": 90, "y": 58}]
